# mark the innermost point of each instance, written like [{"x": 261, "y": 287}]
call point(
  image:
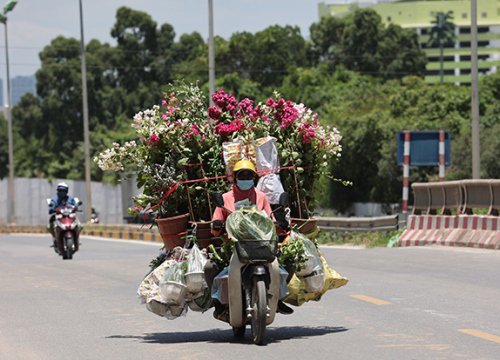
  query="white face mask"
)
[{"x": 244, "y": 184}]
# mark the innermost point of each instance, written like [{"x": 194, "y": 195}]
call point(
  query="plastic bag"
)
[
  {"x": 283, "y": 284},
  {"x": 196, "y": 260},
  {"x": 313, "y": 264},
  {"x": 220, "y": 286},
  {"x": 250, "y": 224},
  {"x": 298, "y": 294},
  {"x": 235, "y": 151},
  {"x": 195, "y": 275},
  {"x": 267, "y": 162}
]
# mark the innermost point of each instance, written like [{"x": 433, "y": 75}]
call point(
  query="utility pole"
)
[
  {"x": 211, "y": 51},
  {"x": 86, "y": 146},
  {"x": 476, "y": 158},
  {"x": 11, "y": 189}
]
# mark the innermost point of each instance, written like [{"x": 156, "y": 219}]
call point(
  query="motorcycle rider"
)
[
  {"x": 243, "y": 189},
  {"x": 61, "y": 199}
]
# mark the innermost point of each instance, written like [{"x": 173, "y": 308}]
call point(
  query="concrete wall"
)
[{"x": 31, "y": 194}]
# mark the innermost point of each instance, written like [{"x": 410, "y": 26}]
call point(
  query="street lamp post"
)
[
  {"x": 211, "y": 51},
  {"x": 86, "y": 146},
  {"x": 9, "y": 6},
  {"x": 476, "y": 156}
]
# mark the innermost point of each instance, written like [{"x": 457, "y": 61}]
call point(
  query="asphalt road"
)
[{"x": 403, "y": 303}]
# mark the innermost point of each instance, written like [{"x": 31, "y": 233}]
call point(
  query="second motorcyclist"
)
[{"x": 61, "y": 199}]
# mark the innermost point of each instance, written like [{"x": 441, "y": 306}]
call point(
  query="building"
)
[
  {"x": 418, "y": 14},
  {"x": 22, "y": 85}
]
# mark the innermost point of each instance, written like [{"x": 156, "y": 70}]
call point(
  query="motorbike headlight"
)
[
  {"x": 72, "y": 216},
  {"x": 58, "y": 216}
]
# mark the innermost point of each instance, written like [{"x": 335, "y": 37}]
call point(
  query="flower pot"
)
[
  {"x": 305, "y": 226},
  {"x": 195, "y": 281},
  {"x": 172, "y": 229},
  {"x": 173, "y": 292},
  {"x": 204, "y": 236}
]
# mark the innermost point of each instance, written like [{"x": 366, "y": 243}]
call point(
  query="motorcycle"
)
[
  {"x": 94, "y": 218},
  {"x": 67, "y": 229},
  {"x": 253, "y": 282}
]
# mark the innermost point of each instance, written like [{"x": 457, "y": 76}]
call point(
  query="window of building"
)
[
  {"x": 465, "y": 30},
  {"x": 464, "y": 15},
  {"x": 484, "y": 15},
  {"x": 483, "y": 29},
  {"x": 388, "y": 18}
]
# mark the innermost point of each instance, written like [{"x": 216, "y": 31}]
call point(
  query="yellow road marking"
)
[
  {"x": 481, "y": 335},
  {"x": 370, "y": 299}
]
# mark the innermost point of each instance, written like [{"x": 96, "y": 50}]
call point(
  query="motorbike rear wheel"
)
[{"x": 259, "y": 311}]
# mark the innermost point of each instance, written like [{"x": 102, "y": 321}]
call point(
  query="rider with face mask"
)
[{"x": 243, "y": 189}]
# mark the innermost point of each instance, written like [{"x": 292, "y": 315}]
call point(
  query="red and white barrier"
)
[
  {"x": 406, "y": 172},
  {"x": 459, "y": 230}
]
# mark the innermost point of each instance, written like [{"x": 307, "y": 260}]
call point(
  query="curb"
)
[
  {"x": 110, "y": 231},
  {"x": 476, "y": 231}
]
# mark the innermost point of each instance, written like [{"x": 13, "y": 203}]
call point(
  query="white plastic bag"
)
[{"x": 267, "y": 163}]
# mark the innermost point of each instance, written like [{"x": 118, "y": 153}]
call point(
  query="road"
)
[{"x": 402, "y": 303}]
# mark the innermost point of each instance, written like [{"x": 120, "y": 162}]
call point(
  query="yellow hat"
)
[{"x": 244, "y": 165}]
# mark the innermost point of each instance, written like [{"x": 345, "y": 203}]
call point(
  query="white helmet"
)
[{"x": 62, "y": 186}]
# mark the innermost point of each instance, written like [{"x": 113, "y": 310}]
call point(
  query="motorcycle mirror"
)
[
  {"x": 48, "y": 201},
  {"x": 78, "y": 201},
  {"x": 284, "y": 199},
  {"x": 218, "y": 199}
]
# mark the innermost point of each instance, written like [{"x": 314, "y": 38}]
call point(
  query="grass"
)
[{"x": 368, "y": 239}]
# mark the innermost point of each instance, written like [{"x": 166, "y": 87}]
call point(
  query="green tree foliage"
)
[
  {"x": 353, "y": 72},
  {"x": 442, "y": 35},
  {"x": 360, "y": 42}
]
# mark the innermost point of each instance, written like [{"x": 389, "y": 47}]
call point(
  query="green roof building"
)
[{"x": 418, "y": 14}]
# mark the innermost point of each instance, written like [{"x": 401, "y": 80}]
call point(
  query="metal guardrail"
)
[
  {"x": 358, "y": 223},
  {"x": 462, "y": 196}
]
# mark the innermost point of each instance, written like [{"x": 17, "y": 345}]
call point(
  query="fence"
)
[
  {"x": 31, "y": 206},
  {"x": 358, "y": 223},
  {"x": 461, "y": 196}
]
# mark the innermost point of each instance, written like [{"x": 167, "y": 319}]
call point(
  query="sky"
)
[{"x": 34, "y": 23}]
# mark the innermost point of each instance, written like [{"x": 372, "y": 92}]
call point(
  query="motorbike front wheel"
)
[
  {"x": 68, "y": 251},
  {"x": 259, "y": 311}
]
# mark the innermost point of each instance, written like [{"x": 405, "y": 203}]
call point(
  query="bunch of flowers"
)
[
  {"x": 175, "y": 142},
  {"x": 305, "y": 146},
  {"x": 181, "y": 139}
]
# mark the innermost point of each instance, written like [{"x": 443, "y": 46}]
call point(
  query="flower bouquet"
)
[{"x": 178, "y": 154}]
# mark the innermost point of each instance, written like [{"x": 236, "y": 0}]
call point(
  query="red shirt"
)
[{"x": 236, "y": 194}]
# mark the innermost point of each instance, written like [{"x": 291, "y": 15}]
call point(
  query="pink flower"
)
[
  {"x": 246, "y": 105},
  {"x": 164, "y": 102},
  {"x": 153, "y": 139},
  {"x": 214, "y": 113},
  {"x": 164, "y": 116},
  {"x": 271, "y": 103},
  {"x": 228, "y": 129}
]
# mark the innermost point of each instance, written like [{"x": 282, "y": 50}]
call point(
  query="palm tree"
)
[{"x": 442, "y": 34}]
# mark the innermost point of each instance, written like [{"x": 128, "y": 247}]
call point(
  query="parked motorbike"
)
[
  {"x": 94, "y": 218},
  {"x": 67, "y": 229},
  {"x": 253, "y": 283}
]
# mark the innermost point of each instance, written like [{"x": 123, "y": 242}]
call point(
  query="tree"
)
[
  {"x": 135, "y": 33},
  {"x": 442, "y": 35},
  {"x": 360, "y": 42}
]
